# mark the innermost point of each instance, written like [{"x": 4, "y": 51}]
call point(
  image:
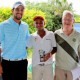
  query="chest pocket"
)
[{"x": 47, "y": 42}]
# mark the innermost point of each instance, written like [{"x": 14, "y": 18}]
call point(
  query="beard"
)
[{"x": 18, "y": 18}]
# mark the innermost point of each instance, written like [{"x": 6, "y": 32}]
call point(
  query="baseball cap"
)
[
  {"x": 38, "y": 17},
  {"x": 16, "y": 4}
]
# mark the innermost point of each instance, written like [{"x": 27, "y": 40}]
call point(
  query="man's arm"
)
[
  {"x": 1, "y": 71},
  {"x": 1, "y": 39},
  {"x": 0, "y": 52},
  {"x": 54, "y": 50},
  {"x": 79, "y": 53}
]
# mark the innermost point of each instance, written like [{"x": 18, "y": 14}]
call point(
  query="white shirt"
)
[{"x": 37, "y": 43}]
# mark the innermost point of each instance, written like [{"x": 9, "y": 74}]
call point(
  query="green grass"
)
[
  {"x": 29, "y": 53},
  {"x": 29, "y": 76}
]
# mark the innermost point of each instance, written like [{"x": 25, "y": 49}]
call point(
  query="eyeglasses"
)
[{"x": 68, "y": 19}]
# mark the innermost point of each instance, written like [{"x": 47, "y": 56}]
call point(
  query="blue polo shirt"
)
[{"x": 13, "y": 39}]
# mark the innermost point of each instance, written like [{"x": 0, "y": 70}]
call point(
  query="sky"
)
[{"x": 75, "y": 3}]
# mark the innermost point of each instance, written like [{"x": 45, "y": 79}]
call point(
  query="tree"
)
[
  {"x": 58, "y": 6},
  {"x": 77, "y": 18},
  {"x": 5, "y": 13},
  {"x": 53, "y": 10}
]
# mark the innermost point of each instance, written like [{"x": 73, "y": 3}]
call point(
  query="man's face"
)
[
  {"x": 67, "y": 20},
  {"x": 39, "y": 24},
  {"x": 18, "y": 12}
]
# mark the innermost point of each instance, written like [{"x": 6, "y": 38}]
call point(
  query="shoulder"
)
[
  {"x": 57, "y": 31},
  {"x": 50, "y": 33},
  {"x": 34, "y": 34},
  {"x": 24, "y": 23},
  {"x": 77, "y": 33},
  {"x": 4, "y": 24}
]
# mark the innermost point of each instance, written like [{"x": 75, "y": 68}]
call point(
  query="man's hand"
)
[{"x": 47, "y": 56}]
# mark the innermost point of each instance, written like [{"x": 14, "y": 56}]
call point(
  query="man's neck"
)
[
  {"x": 68, "y": 30},
  {"x": 41, "y": 33},
  {"x": 17, "y": 21}
]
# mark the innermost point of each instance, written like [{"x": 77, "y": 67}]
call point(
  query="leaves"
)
[
  {"x": 51, "y": 11},
  {"x": 5, "y": 13}
]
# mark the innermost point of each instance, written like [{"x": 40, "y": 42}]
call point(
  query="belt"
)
[
  {"x": 13, "y": 59},
  {"x": 43, "y": 64}
]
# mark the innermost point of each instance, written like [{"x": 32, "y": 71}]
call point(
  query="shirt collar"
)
[
  {"x": 11, "y": 20},
  {"x": 61, "y": 31},
  {"x": 44, "y": 30}
]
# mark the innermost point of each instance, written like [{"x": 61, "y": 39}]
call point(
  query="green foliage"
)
[
  {"x": 5, "y": 13},
  {"x": 28, "y": 17},
  {"x": 53, "y": 10},
  {"x": 56, "y": 22},
  {"x": 77, "y": 18},
  {"x": 29, "y": 53}
]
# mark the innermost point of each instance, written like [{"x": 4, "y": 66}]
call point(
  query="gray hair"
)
[{"x": 67, "y": 12}]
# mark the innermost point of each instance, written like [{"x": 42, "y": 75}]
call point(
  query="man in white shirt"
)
[{"x": 44, "y": 46}]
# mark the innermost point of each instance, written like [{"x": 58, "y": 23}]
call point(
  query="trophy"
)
[{"x": 42, "y": 54}]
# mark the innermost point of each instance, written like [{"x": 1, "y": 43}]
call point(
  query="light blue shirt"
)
[{"x": 13, "y": 39}]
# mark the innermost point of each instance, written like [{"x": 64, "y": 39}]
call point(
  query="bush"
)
[{"x": 5, "y": 13}]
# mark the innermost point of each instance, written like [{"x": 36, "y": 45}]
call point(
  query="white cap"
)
[{"x": 16, "y": 4}]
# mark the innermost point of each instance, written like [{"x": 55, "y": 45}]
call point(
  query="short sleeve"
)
[
  {"x": 27, "y": 33},
  {"x": 29, "y": 42},
  {"x": 53, "y": 40},
  {"x": 1, "y": 33}
]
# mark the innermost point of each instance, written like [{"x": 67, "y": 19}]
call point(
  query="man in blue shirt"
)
[{"x": 13, "y": 37}]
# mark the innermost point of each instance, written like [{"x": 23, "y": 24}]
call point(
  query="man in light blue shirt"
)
[{"x": 13, "y": 37}]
